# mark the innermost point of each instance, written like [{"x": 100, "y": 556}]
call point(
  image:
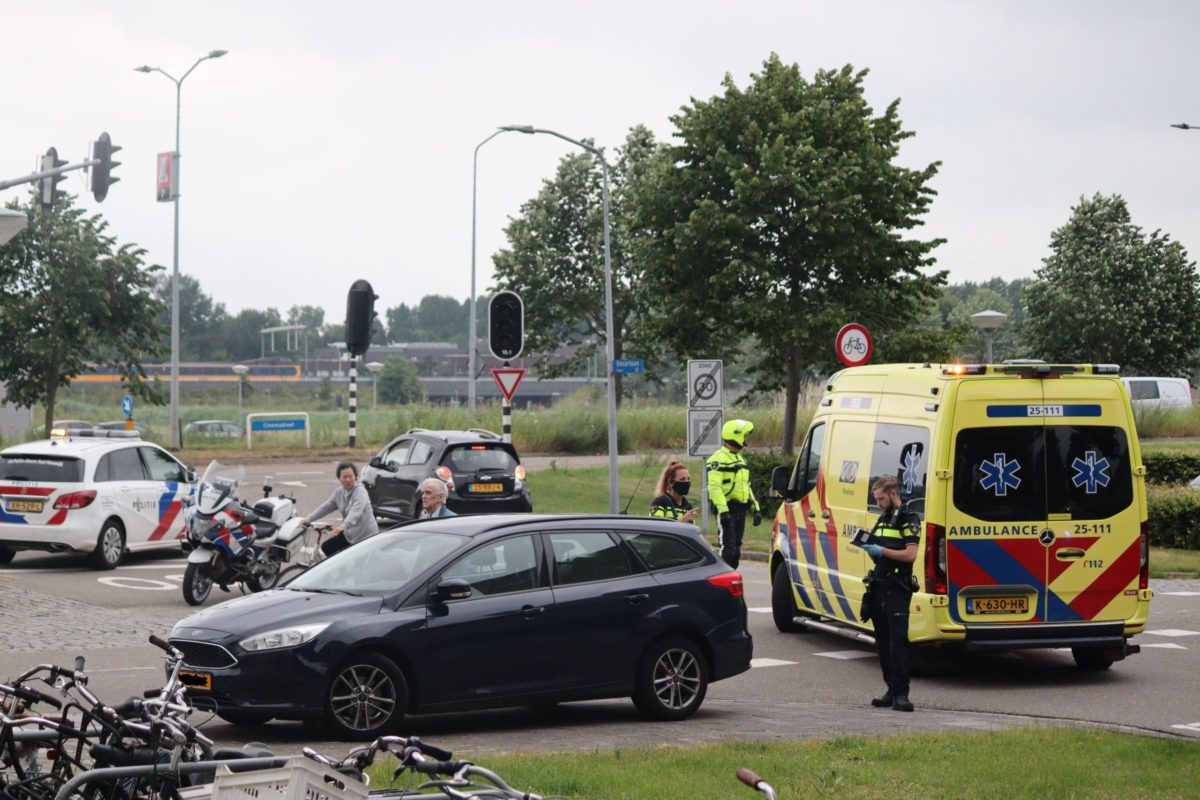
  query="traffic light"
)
[
  {"x": 506, "y": 325},
  {"x": 360, "y": 317},
  {"x": 102, "y": 173},
  {"x": 48, "y": 186}
]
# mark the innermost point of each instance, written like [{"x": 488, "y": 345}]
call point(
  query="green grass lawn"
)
[
  {"x": 1027, "y": 763},
  {"x": 585, "y": 490}
]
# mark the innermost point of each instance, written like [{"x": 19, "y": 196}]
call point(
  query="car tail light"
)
[
  {"x": 75, "y": 500},
  {"x": 935, "y": 559},
  {"x": 729, "y": 581},
  {"x": 478, "y": 447},
  {"x": 446, "y": 475},
  {"x": 519, "y": 473},
  {"x": 1144, "y": 572}
]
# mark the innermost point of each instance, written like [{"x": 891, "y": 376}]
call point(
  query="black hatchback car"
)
[
  {"x": 482, "y": 472},
  {"x": 474, "y": 612}
]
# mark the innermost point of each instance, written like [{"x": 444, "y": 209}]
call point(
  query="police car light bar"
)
[{"x": 104, "y": 433}]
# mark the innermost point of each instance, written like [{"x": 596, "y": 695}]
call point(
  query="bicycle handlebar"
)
[{"x": 29, "y": 695}]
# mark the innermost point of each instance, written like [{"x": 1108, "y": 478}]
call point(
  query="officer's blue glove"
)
[{"x": 874, "y": 551}]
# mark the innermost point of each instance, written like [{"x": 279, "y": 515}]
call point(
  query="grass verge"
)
[{"x": 1025, "y": 763}]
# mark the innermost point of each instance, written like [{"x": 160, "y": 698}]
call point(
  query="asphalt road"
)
[{"x": 53, "y": 608}]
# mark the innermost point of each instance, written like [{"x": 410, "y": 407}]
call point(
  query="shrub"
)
[
  {"x": 1171, "y": 467},
  {"x": 1174, "y": 514}
]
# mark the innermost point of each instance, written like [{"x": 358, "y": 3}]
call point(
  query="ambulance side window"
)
[
  {"x": 809, "y": 465},
  {"x": 902, "y": 451}
]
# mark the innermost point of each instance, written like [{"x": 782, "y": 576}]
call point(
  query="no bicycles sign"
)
[{"x": 853, "y": 345}]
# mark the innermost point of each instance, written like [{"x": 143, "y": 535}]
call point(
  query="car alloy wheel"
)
[
  {"x": 672, "y": 680},
  {"x": 368, "y": 695},
  {"x": 110, "y": 546}
]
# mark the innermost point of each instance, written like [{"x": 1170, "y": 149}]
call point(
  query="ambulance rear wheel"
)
[
  {"x": 1091, "y": 659},
  {"x": 783, "y": 603}
]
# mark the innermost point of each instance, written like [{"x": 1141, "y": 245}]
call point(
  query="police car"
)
[{"x": 99, "y": 492}]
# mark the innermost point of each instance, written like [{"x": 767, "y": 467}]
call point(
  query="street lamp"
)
[
  {"x": 609, "y": 348},
  {"x": 987, "y": 322},
  {"x": 472, "y": 357},
  {"x": 175, "y": 271},
  {"x": 374, "y": 367},
  {"x": 240, "y": 370}
]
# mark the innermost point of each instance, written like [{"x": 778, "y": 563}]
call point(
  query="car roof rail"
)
[
  {"x": 485, "y": 433},
  {"x": 105, "y": 433},
  {"x": 438, "y": 434}
]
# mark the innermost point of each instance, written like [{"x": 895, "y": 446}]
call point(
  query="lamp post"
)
[
  {"x": 374, "y": 367},
  {"x": 240, "y": 370},
  {"x": 609, "y": 348},
  {"x": 175, "y": 270},
  {"x": 472, "y": 357},
  {"x": 987, "y": 322}
]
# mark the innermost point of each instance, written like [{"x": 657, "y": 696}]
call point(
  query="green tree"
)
[
  {"x": 555, "y": 260},
  {"x": 398, "y": 382},
  {"x": 402, "y": 324},
  {"x": 201, "y": 320},
  {"x": 73, "y": 296},
  {"x": 241, "y": 333},
  {"x": 1109, "y": 293},
  {"x": 781, "y": 213}
]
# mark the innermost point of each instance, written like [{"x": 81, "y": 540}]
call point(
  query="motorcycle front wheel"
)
[{"x": 197, "y": 583}]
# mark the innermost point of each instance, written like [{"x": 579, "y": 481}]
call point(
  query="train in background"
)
[{"x": 197, "y": 372}]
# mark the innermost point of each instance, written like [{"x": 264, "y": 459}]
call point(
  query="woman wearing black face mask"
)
[{"x": 673, "y": 486}]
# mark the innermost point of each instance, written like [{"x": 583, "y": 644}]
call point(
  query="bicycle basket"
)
[{"x": 299, "y": 779}]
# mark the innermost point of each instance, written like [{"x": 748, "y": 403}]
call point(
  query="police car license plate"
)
[
  {"x": 997, "y": 605},
  {"x": 27, "y": 506},
  {"x": 486, "y": 488},
  {"x": 196, "y": 680}
]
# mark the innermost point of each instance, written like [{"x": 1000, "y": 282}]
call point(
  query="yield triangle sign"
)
[{"x": 507, "y": 380}]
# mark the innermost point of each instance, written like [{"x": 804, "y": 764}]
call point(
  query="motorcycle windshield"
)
[{"x": 217, "y": 488}]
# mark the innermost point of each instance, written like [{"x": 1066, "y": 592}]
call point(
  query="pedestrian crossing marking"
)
[
  {"x": 847, "y": 655},
  {"x": 760, "y": 610},
  {"x": 1173, "y": 632},
  {"x": 769, "y": 662},
  {"x": 1178, "y": 594},
  {"x": 1165, "y": 645}
]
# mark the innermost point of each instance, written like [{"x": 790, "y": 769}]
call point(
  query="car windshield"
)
[
  {"x": 380, "y": 565},
  {"x": 478, "y": 457},
  {"x": 41, "y": 469}
]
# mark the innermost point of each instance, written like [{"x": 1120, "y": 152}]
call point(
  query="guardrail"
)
[{"x": 279, "y": 421}]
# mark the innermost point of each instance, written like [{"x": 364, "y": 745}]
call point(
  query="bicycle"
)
[
  {"x": 308, "y": 557},
  {"x": 463, "y": 780}
]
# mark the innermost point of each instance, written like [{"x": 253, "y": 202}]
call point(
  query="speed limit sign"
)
[{"x": 853, "y": 345}]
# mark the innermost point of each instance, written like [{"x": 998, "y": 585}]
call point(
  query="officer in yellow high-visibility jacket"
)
[{"x": 729, "y": 489}]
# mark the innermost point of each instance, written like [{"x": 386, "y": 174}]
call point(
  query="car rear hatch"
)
[
  {"x": 1042, "y": 523},
  {"x": 37, "y": 489},
  {"x": 484, "y": 470}
]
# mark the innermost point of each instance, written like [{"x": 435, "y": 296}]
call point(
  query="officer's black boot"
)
[
  {"x": 883, "y": 701},
  {"x": 902, "y": 703}
]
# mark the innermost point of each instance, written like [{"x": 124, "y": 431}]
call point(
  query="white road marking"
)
[
  {"x": 770, "y": 662},
  {"x": 1194, "y": 727},
  {"x": 1173, "y": 632},
  {"x": 146, "y": 584},
  {"x": 311, "y": 472},
  {"x": 760, "y": 610},
  {"x": 846, "y": 655},
  {"x": 68, "y": 571},
  {"x": 1179, "y": 594},
  {"x": 301, "y": 484},
  {"x": 1165, "y": 645},
  {"x": 91, "y": 671}
]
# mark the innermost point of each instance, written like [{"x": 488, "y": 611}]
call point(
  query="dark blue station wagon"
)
[{"x": 476, "y": 612}]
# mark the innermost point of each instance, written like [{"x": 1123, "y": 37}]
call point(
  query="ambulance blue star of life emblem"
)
[
  {"x": 1000, "y": 474},
  {"x": 912, "y": 467},
  {"x": 1090, "y": 473}
]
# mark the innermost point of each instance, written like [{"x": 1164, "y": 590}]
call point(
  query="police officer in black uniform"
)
[{"x": 893, "y": 548}]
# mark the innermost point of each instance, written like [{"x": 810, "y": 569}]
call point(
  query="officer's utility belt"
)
[
  {"x": 737, "y": 505},
  {"x": 890, "y": 580}
]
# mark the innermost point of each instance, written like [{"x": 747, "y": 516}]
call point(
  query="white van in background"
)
[{"x": 1159, "y": 392}]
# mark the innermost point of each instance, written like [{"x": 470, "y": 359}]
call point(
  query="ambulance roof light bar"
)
[{"x": 965, "y": 369}]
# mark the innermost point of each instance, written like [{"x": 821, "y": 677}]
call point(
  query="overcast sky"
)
[{"x": 334, "y": 141}]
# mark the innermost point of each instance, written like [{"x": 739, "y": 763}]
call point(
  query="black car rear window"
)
[
  {"x": 41, "y": 469},
  {"x": 476, "y": 457},
  {"x": 662, "y": 552},
  {"x": 1025, "y": 472}
]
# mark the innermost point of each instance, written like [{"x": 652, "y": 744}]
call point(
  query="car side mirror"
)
[
  {"x": 190, "y": 473},
  {"x": 781, "y": 478},
  {"x": 452, "y": 589},
  {"x": 378, "y": 463}
]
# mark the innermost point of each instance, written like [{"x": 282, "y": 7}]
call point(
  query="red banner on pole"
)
[{"x": 507, "y": 380}]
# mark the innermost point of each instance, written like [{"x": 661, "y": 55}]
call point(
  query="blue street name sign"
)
[
  {"x": 127, "y": 405},
  {"x": 629, "y": 366},
  {"x": 277, "y": 425}
]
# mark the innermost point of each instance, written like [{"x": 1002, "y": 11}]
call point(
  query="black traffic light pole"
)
[{"x": 101, "y": 175}]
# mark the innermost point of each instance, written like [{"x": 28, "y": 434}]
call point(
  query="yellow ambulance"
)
[{"x": 1031, "y": 490}]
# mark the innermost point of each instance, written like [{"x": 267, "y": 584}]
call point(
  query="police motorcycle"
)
[{"x": 229, "y": 542}]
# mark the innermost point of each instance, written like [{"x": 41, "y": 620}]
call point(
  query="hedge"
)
[
  {"x": 1174, "y": 514},
  {"x": 1171, "y": 467}
]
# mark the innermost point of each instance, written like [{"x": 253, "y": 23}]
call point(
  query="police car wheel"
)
[
  {"x": 672, "y": 680},
  {"x": 783, "y": 604},
  {"x": 7, "y": 554},
  {"x": 110, "y": 546},
  {"x": 1091, "y": 659}
]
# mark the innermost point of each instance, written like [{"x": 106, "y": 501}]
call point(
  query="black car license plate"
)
[
  {"x": 196, "y": 680},
  {"x": 487, "y": 488}
]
